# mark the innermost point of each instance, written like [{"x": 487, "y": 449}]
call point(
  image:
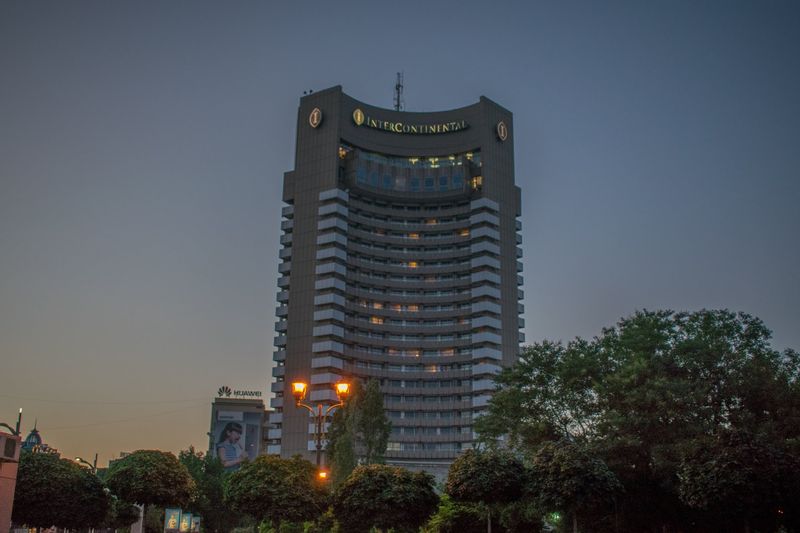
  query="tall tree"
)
[
  {"x": 372, "y": 425},
  {"x": 643, "y": 394},
  {"x": 386, "y": 498},
  {"x": 151, "y": 477},
  {"x": 53, "y": 491},
  {"x": 208, "y": 500},
  {"x": 359, "y": 432},
  {"x": 491, "y": 478},
  {"x": 341, "y": 450},
  {"x": 274, "y": 490},
  {"x": 341, "y": 447}
]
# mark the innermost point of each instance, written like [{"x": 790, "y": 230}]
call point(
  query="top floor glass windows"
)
[{"x": 411, "y": 174}]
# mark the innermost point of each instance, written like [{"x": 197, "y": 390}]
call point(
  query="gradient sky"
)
[{"x": 143, "y": 144}]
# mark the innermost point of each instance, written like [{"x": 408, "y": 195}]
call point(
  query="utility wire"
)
[
  {"x": 120, "y": 421},
  {"x": 100, "y": 402}
]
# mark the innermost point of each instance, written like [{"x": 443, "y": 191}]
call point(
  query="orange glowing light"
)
[
  {"x": 299, "y": 390},
  {"x": 342, "y": 390}
]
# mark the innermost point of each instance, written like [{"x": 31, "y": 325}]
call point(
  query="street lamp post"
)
[
  {"x": 93, "y": 466},
  {"x": 319, "y": 412},
  {"x": 14, "y": 431}
]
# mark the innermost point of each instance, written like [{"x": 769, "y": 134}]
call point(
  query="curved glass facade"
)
[{"x": 442, "y": 173}]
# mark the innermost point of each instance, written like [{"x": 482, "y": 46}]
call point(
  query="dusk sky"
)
[{"x": 143, "y": 145}]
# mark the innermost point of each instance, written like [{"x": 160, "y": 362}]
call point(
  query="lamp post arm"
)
[
  {"x": 310, "y": 409},
  {"x": 12, "y": 430},
  {"x": 332, "y": 407}
]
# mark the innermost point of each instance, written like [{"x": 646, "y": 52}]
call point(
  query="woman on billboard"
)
[{"x": 229, "y": 451}]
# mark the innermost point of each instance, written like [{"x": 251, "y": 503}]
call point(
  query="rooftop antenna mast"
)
[{"x": 399, "y": 103}]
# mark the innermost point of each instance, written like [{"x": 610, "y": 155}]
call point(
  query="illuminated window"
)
[
  {"x": 448, "y": 352},
  {"x": 377, "y": 305},
  {"x": 413, "y": 308},
  {"x": 412, "y": 264},
  {"x": 477, "y": 182},
  {"x": 413, "y": 235},
  {"x": 397, "y": 307},
  {"x": 430, "y": 221},
  {"x": 342, "y": 152},
  {"x": 468, "y": 155},
  {"x": 376, "y": 320},
  {"x": 464, "y": 232}
]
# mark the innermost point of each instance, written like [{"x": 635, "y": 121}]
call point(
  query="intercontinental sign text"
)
[{"x": 402, "y": 127}]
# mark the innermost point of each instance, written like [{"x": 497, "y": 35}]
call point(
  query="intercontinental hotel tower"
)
[{"x": 400, "y": 262}]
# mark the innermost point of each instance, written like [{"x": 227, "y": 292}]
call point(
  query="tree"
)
[
  {"x": 490, "y": 478},
  {"x": 456, "y": 517},
  {"x": 208, "y": 500},
  {"x": 570, "y": 479},
  {"x": 643, "y": 395},
  {"x": 384, "y": 497},
  {"x": 740, "y": 478},
  {"x": 151, "y": 477},
  {"x": 340, "y": 450},
  {"x": 359, "y": 432},
  {"x": 121, "y": 514},
  {"x": 53, "y": 491},
  {"x": 372, "y": 425},
  {"x": 275, "y": 490}
]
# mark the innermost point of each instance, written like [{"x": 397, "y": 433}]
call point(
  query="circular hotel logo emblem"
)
[
  {"x": 502, "y": 131},
  {"x": 358, "y": 117},
  {"x": 315, "y": 118}
]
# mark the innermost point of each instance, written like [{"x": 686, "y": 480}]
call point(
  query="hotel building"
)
[{"x": 400, "y": 262}]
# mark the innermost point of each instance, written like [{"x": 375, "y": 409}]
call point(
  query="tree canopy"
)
[
  {"x": 151, "y": 477},
  {"x": 490, "y": 478},
  {"x": 275, "y": 490},
  {"x": 568, "y": 477},
  {"x": 646, "y": 396},
  {"x": 57, "y": 492},
  {"x": 456, "y": 517},
  {"x": 121, "y": 514},
  {"x": 384, "y": 497}
]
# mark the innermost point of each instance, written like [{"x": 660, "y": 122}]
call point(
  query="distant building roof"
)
[{"x": 32, "y": 440}]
